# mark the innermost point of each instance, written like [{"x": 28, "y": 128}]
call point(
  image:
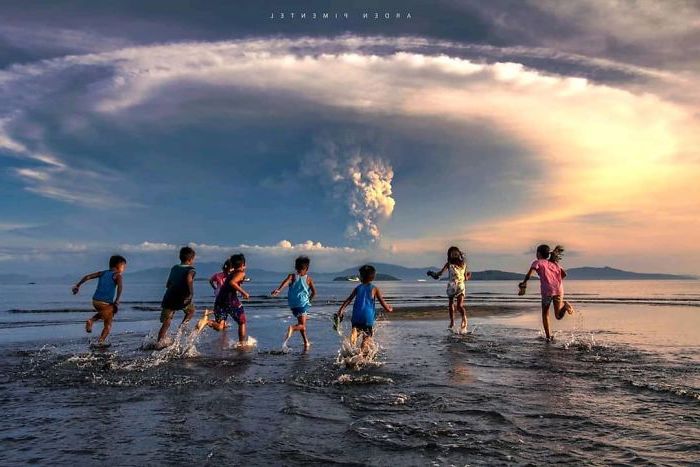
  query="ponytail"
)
[{"x": 556, "y": 254}]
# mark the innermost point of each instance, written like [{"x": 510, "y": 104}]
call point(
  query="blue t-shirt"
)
[
  {"x": 298, "y": 293},
  {"x": 106, "y": 287},
  {"x": 363, "y": 311}
]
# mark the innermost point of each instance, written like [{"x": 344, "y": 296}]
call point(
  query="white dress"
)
[{"x": 455, "y": 282}]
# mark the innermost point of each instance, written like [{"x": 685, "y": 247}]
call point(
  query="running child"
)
[
  {"x": 105, "y": 300},
  {"x": 301, "y": 292},
  {"x": 551, "y": 284},
  {"x": 456, "y": 266},
  {"x": 363, "y": 310},
  {"x": 179, "y": 292},
  {"x": 218, "y": 279},
  {"x": 227, "y": 302}
]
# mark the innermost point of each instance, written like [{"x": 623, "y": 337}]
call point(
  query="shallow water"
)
[{"x": 620, "y": 384}]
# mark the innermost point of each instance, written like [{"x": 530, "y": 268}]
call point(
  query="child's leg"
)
[
  {"x": 561, "y": 307},
  {"x": 91, "y": 321},
  {"x": 166, "y": 317},
  {"x": 107, "y": 317},
  {"x": 462, "y": 311},
  {"x": 353, "y": 336},
  {"x": 219, "y": 325},
  {"x": 301, "y": 327},
  {"x": 545, "y": 317},
  {"x": 96, "y": 317},
  {"x": 452, "y": 312},
  {"x": 189, "y": 313},
  {"x": 242, "y": 336},
  {"x": 558, "y": 305},
  {"x": 366, "y": 343},
  {"x": 219, "y": 321}
]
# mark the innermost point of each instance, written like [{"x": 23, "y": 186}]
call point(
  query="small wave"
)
[{"x": 686, "y": 393}]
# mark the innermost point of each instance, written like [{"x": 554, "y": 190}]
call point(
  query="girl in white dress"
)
[{"x": 456, "y": 266}]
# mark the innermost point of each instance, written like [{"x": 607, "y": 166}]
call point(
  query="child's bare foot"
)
[
  {"x": 307, "y": 345},
  {"x": 88, "y": 325},
  {"x": 451, "y": 326},
  {"x": 463, "y": 327},
  {"x": 203, "y": 321}
]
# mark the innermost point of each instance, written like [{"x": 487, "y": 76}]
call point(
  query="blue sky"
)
[{"x": 138, "y": 127}]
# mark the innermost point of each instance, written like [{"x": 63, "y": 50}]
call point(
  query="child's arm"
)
[
  {"x": 89, "y": 277},
  {"x": 312, "y": 288},
  {"x": 384, "y": 304},
  {"x": 236, "y": 284},
  {"x": 118, "y": 280},
  {"x": 282, "y": 285},
  {"x": 346, "y": 302},
  {"x": 467, "y": 275},
  {"x": 563, "y": 274},
  {"x": 190, "y": 283},
  {"x": 211, "y": 282},
  {"x": 436, "y": 275},
  {"x": 527, "y": 276}
]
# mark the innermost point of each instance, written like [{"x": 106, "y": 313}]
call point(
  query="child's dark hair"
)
[
  {"x": 237, "y": 260},
  {"x": 116, "y": 260},
  {"x": 367, "y": 273},
  {"x": 554, "y": 255},
  {"x": 226, "y": 266},
  {"x": 302, "y": 262},
  {"x": 455, "y": 256},
  {"x": 186, "y": 254}
]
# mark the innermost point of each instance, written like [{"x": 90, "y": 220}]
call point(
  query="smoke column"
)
[{"x": 362, "y": 181}]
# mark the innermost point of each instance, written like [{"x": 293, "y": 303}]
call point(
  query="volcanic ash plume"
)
[{"x": 363, "y": 181}]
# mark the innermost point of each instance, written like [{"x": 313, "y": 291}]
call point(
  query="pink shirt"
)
[
  {"x": 550, "y": 277},
  {"x": 218, "y": 279}
]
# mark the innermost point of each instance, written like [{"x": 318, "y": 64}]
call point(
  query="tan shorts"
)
[
  {"x": 168, "y": 314},
  {"x": 104, "y": 307}
]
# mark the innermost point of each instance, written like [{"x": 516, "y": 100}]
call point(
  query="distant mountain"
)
[{"x": 608, "y": 273}]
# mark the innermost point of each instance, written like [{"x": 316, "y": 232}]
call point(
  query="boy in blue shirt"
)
[
  {"x": 105, "y": 300},
  {"x": 363, "y": 310},
  {"x": 301, "y": 292}
]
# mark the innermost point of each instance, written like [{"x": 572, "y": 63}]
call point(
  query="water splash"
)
[
  {"x": 353, "y": 357},
  {"x": 182, "y": 345}
]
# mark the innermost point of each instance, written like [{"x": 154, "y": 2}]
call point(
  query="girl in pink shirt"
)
[
  {"x": 551, "y": 284},
  {"x": 218, "y": 279}
]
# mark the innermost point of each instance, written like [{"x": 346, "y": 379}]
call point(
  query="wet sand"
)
[{"x": 423, "y": 312}]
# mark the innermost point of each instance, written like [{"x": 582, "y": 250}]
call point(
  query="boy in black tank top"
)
[{"x": 179, "y": 292}]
